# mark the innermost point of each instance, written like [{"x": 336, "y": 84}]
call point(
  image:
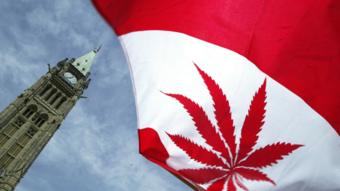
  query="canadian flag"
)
[{"x": 236, "y": 94}]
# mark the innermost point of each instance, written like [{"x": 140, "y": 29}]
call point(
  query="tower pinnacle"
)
[{"x": 83, "y": 64}]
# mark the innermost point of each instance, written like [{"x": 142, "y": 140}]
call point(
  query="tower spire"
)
[
  {"x": 83, "y": 63},
  {"x": 97, "y": 49}
]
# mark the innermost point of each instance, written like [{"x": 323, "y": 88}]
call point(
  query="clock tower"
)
[{"x": 30, "y": 121}]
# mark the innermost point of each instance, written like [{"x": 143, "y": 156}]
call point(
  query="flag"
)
[{"x": 236, "y": 94}]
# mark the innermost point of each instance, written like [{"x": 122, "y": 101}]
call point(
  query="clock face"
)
[{"x": 70, "y": 78}]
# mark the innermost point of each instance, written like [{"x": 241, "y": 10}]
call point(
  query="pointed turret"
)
[{"x": 83, "y": 64}]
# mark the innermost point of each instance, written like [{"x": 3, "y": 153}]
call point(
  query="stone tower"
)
[{"x": 29, "y": 122}]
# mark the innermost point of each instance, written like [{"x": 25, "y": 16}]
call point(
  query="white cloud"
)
[{"x": 14, "y": 66}]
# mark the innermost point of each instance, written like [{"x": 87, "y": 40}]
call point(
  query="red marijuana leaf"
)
[
  {"x": 217, "y": 185},
  {"x": 202, "y": 123},
  {"x": 251, "y": 174},
  {"x": 269, "y": 155},
  {"x": 222, "y": 113},
  {"x": 227, "y": 167},
  {"x": 231, "y": 185},
  {"x": 196, "y": 152},
  {"x": 253, "y": 122},
  {"x": 202, "y": 175}
]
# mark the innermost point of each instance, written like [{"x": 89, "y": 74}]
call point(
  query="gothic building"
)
[{"x": 30, "y": 121}]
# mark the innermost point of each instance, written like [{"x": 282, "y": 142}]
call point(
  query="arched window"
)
[
  {"x": 45, "y": 89},
  {"x": 41, "y": 120},
  {"x": 30, "y": 110}
]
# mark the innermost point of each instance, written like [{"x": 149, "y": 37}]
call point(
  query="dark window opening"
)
[
  {"x": 50, "y": 94},
  {"x": 60, "y": 103},
  {"x": 30, "y": 110},
  {"x": 55, "y": 98},
  {"x": 46, "y": 88},
  {"x": 41, "y": 120}
]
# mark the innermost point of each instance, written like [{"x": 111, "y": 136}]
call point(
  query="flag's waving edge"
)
[
  {"x": 236, "y": 95},
  {"x": 152, "y": 148}
]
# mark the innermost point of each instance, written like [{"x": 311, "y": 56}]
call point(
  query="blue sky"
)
[{"x": 96, "y": 148}]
